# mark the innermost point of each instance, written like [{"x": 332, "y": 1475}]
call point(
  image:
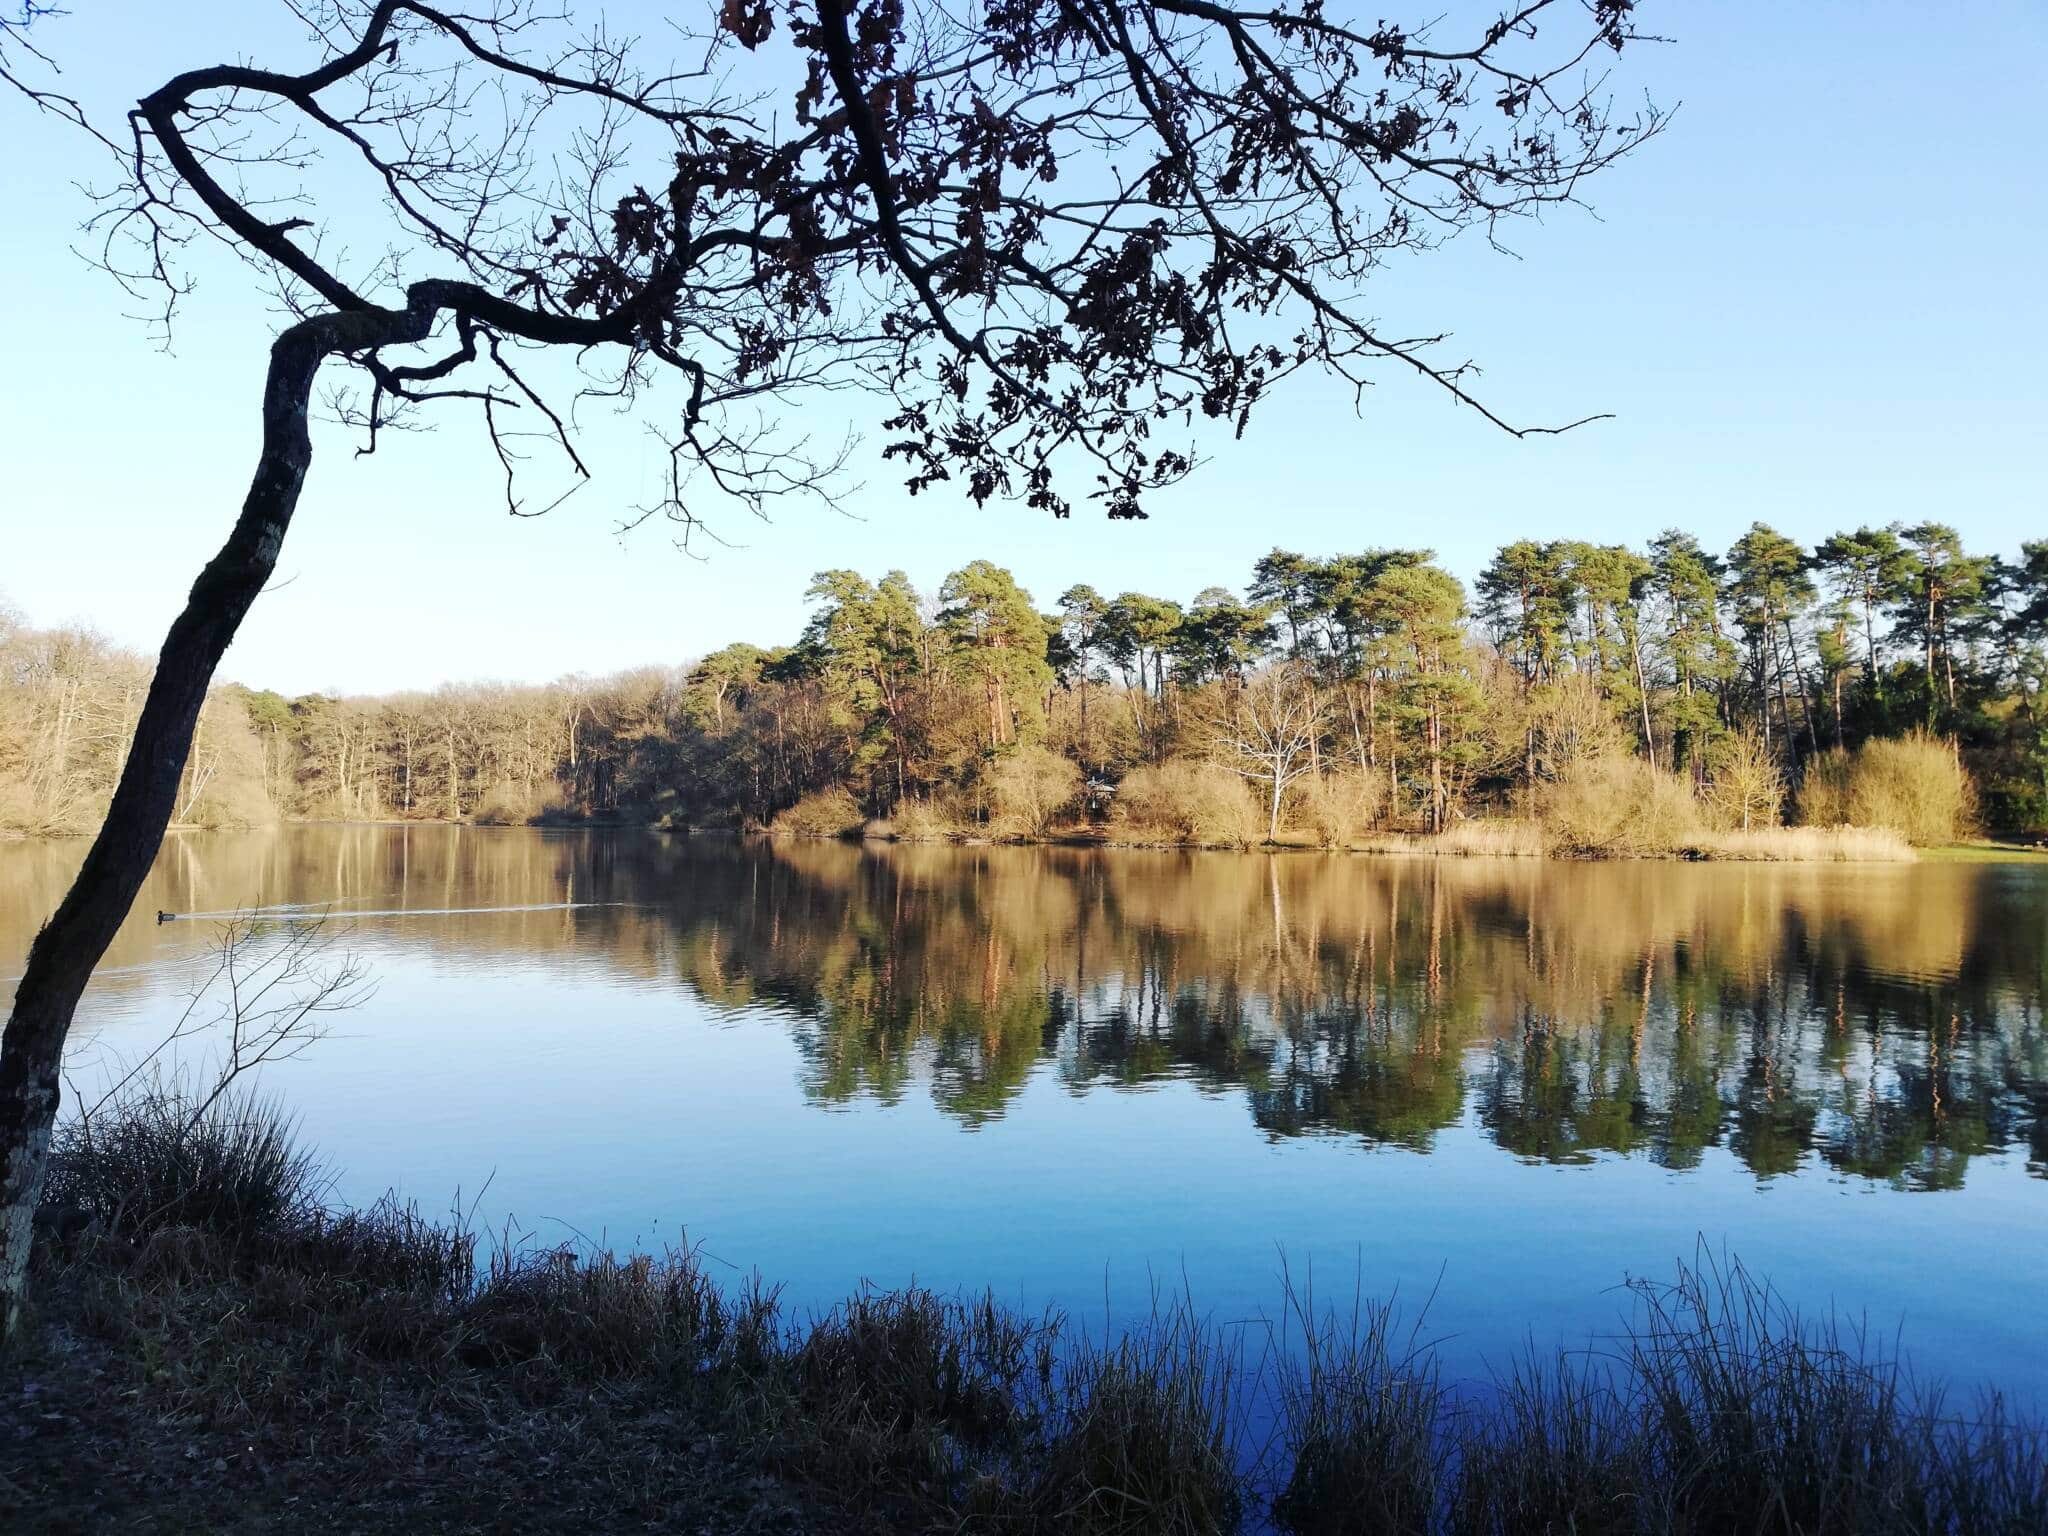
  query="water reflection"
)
[{"x": 1881, "y": 1022}]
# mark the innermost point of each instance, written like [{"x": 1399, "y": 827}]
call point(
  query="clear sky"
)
[{"x": 1817, "y": 300}]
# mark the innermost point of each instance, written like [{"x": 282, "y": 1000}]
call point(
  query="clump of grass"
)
[
  {"x": 591, "y": 1316},
  {"x": 1183, "y": 801},
  {"x": 230, "y": 1165},
  {"x": 1142, "y": 1439},
  {"x": 1362, "y": 1423},
  {"x": 1722, "y": 1409},
  {"x": 911, "y": 1391},
  {"x": 826, "y": 813},
  {"x": 1913, "y": 786},
  {"x": 1555, "y": 1453}
]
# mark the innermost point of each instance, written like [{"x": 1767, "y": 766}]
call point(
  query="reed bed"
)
[
  {"x": 258, "y": 1351},
  {"x": 1810, "y": 845}
]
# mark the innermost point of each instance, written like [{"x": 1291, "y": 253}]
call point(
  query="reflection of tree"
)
[
  {"x": 1385, "y": 1088},
  {"x": 1886, "y": 1022}
]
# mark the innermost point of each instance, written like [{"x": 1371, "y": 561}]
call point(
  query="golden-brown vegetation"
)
[
  {"x": 1619, "y": 805},
  {"x": 1179, "y": 801},
  {"x": 1818, "y": 845},
  {"x": 829, "y": 812},
  {"x": 1029, "y": 790},
  {"x": 1913, "y": 786}
]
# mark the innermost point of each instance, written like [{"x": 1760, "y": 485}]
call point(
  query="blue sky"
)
[{"x": 1816, "y": 300}]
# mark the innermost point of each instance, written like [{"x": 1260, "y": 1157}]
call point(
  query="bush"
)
[
  {"x": 1028, "y": 790},
  {"x": 825, "y": 813},
  {"x": 1747, "y": 788},
  {"x": 1619, "y": 805},
  {"x": 1337, "y": 809},
  {"x": 506, "y": 804},
  {"x": 1913, "y": 786},
  {"x": 931, "y": 820},
  {"x": 1187, "y": 802}
]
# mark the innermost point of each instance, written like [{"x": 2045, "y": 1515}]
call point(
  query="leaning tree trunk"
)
[{"x": 70, "y": 944}]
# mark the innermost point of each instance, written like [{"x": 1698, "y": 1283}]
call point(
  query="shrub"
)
[
  {"x": 1028, "y": 790},
  {"x": 931, "y": 820},
  {"x": 1187, "y": 802},
  {"x": 506, "y": 804},
  {"x": 824, "y": 813},
  {"x": 1913, "y": 786},
  {"x": 1337, "y": 809},
  {"x": 1619, "y": 805},
  {"x": 1747, "y": 787}
]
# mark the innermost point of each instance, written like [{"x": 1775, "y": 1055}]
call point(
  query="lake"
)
[{"x": 1069, "y": 1076}]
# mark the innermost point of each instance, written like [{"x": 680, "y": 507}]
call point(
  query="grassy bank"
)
[{"x": 212, "y": 1348}]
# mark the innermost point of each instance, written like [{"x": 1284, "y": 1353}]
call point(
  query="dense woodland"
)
[{"x": 1326, "y": 695}]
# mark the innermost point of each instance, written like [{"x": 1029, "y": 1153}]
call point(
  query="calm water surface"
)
[{"x": 1069, "y": 1076}]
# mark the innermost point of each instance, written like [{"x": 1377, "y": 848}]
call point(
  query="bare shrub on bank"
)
[
  {"x": 1619, "y": 805},
  {"x": 825, "y": 813},
  {"x": 1337, "y": 809},
  {"x": 1186, "y": 802},
  {"x": 1747, "y": 786},
  {"x": 929, "y": 819},
  {"x": 1913, "y": 786},
  {"x": 1029, "y": 790}
]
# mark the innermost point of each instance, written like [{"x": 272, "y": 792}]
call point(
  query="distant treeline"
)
[{"x": 1325, "y": 696}]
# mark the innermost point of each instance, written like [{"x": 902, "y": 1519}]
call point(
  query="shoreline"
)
[
  {"x": 205, "y": 1333},
  {"x": 1497, "y": 838}
]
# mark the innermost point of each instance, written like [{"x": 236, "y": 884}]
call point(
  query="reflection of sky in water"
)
[{"x": 1273, "y": 1102}]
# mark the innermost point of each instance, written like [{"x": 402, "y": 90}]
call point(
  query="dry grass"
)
[
  {"x": 1362, "y": 1418},
  {"x": 1493, "y": 838},
  {"x": 1186, "y": 802},
  {"x": 1722, "y": 1409},
  {"x": 1912, "y": 786},
  {"x": 353, "y": 1371},
  {"x": 934, "y": 820},
  {"x": 1819, "y": 845}
]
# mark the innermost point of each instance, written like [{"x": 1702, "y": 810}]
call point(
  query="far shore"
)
[{"x": 1473, "y": 838}]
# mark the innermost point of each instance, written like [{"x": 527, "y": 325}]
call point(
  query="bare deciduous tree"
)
[
  {"x": 265, "y": 997},
  {"x": 1266, "y": 730},
  {"x": 1053, "y": 233}
]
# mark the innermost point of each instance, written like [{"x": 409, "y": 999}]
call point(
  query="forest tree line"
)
[{"x": 1368, "y": 689}]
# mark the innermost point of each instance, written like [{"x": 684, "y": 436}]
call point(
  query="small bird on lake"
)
[{"x": 165, "y": 917}]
